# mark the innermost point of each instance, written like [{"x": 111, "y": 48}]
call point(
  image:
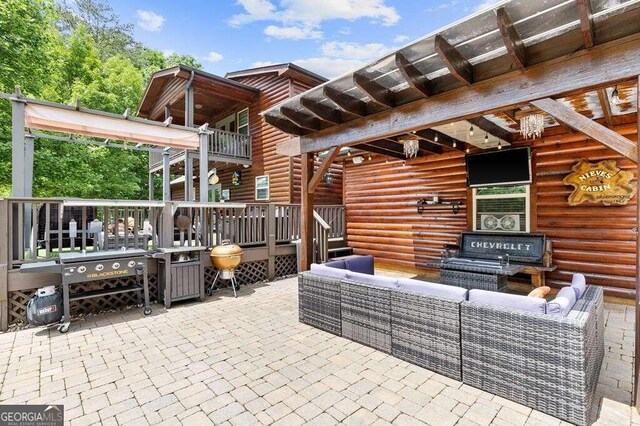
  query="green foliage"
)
[{"x": 65, "y": 51}]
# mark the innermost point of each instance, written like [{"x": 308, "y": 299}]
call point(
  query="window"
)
[
  {"x": 262, "y": 188},
  {"x": 243, "y": 122},
  {"x": 501, "y": 209}
]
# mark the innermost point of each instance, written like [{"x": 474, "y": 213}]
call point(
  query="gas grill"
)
[{"x": 97, "y": 266}]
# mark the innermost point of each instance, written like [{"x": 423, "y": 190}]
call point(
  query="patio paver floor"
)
[{"x": 248, "y": 360}]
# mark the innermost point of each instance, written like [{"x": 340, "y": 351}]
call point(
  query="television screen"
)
[{"x": 504, "y": 167}]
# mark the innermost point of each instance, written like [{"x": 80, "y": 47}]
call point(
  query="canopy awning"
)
[{"x": 109, "y": 126}]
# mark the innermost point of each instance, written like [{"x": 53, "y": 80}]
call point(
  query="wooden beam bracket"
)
[{"x": 324, "y": 167}]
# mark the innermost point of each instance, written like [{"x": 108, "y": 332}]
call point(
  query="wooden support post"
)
[
  {"x": 166, "y": 176},
  {"x": 188, "y": 176},
  {"x": 636, "y": 364},
  {"x": 271, "y": 241},
  {"x": 204, "y": 167},
  {"x": 306, "y": 213},
  {"x": 17, "y": 145},
  {"x": 166, "y": 225},
  {"x": 28, "y": 188},
  {"x": 151, "y": 188},
  {"x": 4, "y": 265}
]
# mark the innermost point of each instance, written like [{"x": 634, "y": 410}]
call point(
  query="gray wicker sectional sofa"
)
[{"x": 545, "y": 355}]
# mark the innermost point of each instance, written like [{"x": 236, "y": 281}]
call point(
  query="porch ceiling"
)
[{"x": 512, "y": 35}]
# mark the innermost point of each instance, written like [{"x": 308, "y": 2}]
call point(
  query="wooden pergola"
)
[{"x": 488, "y": 70}]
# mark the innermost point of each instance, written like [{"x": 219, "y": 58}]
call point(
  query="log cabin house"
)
[
  {"x": 243, "y": 147},
  {"x": 467, "y": 89}
]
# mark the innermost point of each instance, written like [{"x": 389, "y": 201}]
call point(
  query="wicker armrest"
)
[
  {"x": 319, "y": 302},
  {"x": 546, "y": 362}
]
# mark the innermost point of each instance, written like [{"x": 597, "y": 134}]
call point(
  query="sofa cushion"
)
[
  {"x": 579, "y": 285},
  {"x": 361, "y": 264},
  {"x": 327, "y": 271},
  {"x": 562, "y": 304},
  {"x": 374, "y": 280},
  {"x": 525, "y": 303},
  {"x": 336, "y": 264},
  {"x": 432, "y": 289}
]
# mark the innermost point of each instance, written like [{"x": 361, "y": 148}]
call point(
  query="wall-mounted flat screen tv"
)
[{"x": 503, "y": 167}]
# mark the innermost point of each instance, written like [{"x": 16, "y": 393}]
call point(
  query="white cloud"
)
[
  {"x": 329, "y": 67},
  {"x": 213, "y": 57},
  {"x": 400, "y": 38},
  {"x": 341, "y": 57},
  {"x": 168, "y": 52},
  {"x": 292, "y": 33},
  {"x": 345, "y": 30},
  {"x": 259, "y": 64},
  {"x": 150, "y": 21},
  {"x": 306, "y": 16},
  {"x": 348, "y": 50},
  {"x": 486, "y": 4}
]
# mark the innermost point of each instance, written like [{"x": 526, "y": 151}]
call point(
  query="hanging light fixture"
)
[
  {"x": 532, "y": 125},
  {"x": 410, "y": 145},
  {"x": 615, "y": 96},
  {"x": 471, "y": 131}
]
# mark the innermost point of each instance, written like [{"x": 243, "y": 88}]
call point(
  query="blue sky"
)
[{"x": 329, "y": 37}]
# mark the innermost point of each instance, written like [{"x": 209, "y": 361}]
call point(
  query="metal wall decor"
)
[{"x": 603, "y": 182}]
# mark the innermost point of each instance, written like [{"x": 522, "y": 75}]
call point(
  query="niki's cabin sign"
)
[{"x": 601, "y": 182}]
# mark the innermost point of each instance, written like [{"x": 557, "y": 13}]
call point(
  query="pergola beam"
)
[
  {"x": 377, "y": 92},
  {"x": 578, "y": 122},
  {"x": 324, "y": 166},
  {"x": 491, "y": 128},
  {"x": 511, "y": 38},
  {"x": 301, "y": 120},
  {"x": 591, "y": 69},
  {"x": 606, "y": 107},
  {"x": 345, "y": 102},
  {"x": 586, "y": 24},
  {"x": 457, "y": 64},
  {"x": 441, "y": 139},
  {"x": 372, "y": 147},
  {"x": 412, "y": 75},
  {"x": 284, "y": 125},
  {"x": 321, "y": 111}
]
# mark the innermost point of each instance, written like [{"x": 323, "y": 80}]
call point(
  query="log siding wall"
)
[{"x": 593, "y": 239}]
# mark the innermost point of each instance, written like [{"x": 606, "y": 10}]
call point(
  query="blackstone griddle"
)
[{"x": 97, "y": 266}]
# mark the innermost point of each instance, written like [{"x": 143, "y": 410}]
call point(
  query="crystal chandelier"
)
[
  {"x": 411, "y": 145},
  {"x": 532, "y": 126}
]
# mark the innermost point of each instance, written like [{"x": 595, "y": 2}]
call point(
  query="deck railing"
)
[
  {"x": 224, "y": 144},
  {"x": 40, "y": 229}
]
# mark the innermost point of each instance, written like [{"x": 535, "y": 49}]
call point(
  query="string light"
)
[
  {"x": 386, "y": 161},
  {"x": 467, "y": 150},
  {"x": 435, "y": 139},
  {"x": 369, "y": 157},
  {"x": 615, "y": 96},
  {"x": 499, "y": 145},
  {"x": 404, "y": 163},
  {"x": 348, "y": 153},
  {"x": 471, "y": 131},
  {"x": 454, "y": 144},
  {"x": 486, "y": 138}
]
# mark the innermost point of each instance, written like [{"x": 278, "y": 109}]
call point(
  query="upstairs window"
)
[
  {"x": 501, "y": 209},
  {"x": 243, "y": 122}
]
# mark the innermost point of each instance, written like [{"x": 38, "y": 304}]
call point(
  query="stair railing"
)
[{"x": 321, "y": 230}]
